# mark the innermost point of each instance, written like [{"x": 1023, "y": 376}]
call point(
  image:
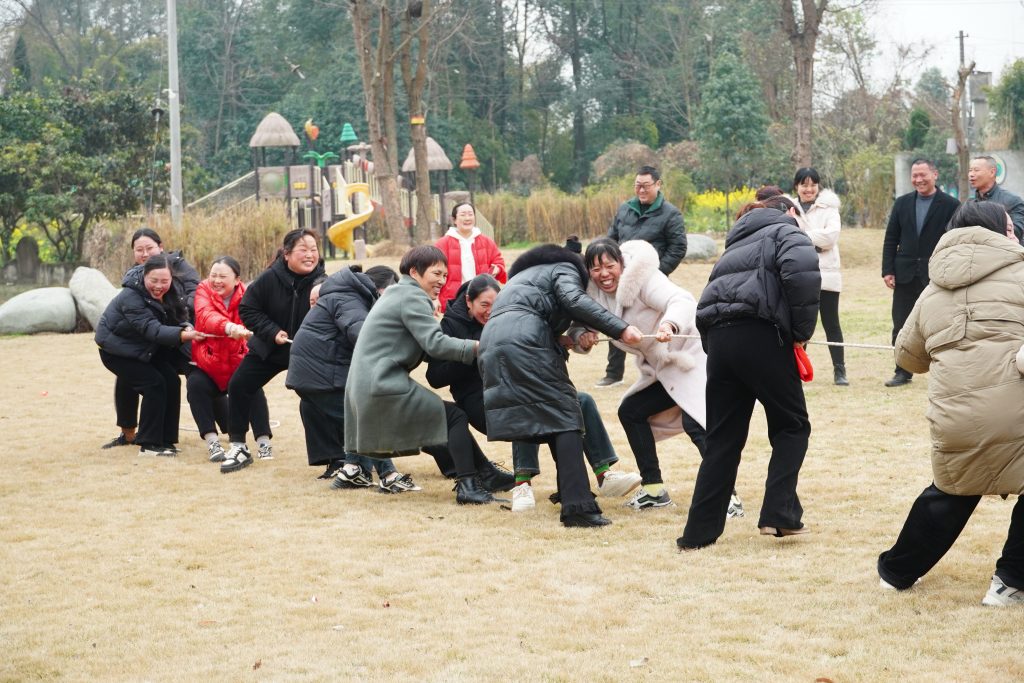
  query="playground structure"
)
[{"x": 334, "y": 199}]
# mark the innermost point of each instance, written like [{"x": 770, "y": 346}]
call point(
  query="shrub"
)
[
  {"x": 707, "y": 212},
  {"x": 251, "y": 234}
]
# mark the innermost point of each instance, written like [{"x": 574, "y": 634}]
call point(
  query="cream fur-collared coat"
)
[
  {"x": 646, "y": 298},
  {"x": 822, "y": 225}
]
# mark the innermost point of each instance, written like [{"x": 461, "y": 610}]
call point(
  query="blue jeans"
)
[
  {"x": 384, "y": 466},
  {"x": 597, "y": 447}
]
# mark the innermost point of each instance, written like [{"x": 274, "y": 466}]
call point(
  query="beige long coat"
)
[{"x": 967, "y": 328}]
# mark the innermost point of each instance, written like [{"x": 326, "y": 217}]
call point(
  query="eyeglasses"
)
[{"x": 643, "y": 186}]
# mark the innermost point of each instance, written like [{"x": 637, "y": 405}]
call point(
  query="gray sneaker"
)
[
  {"x": 642, "y": 500},
  {"x": 217, "y": 453},
  {"x": 1001, "y": 595},
  {"x": 266, "y": 451},
  {"x": 735, "y": 506}
]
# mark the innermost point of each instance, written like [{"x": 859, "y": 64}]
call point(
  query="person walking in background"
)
[
  {"x": 668, "y": 398},
  {"x": 982, "y": 176},
  {"x": 145, "y": 243},
  {"x": 818, "y": 216},
  {"x": 139, "y": 336},
  {"x": 273, "y": 308},
  {"x": 966, "y": 327},
  {"x": 917, "y": 220},
  {"x": 318, "y": 370},
  {"x": 219, "y": 354},
  {"x": 649, "y": 217},
  {"x": 469, "y": 253},
  {"x": 528, "y": 395},
  {"x": 760, "y": 301},
  {"x": 386, "y": 411}
]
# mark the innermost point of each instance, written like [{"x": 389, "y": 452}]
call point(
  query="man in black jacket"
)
[
  {"x": 917, "y": 221},
  {"x": 650, "y": 217},
  {"x": 982, "y": 176}
]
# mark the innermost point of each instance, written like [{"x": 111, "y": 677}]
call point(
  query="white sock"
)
[
  {"x": 351, "y": 468},
  {"x": 260, "y": 440},
  {"x": 211, "y": 437}
]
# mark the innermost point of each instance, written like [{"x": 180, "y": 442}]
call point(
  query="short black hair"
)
[
  {"x": 804, "y": 173},
  {"x": 382, "y": 276},
  {"x": 480, "y": 284},
  {"x": 989, "y": 215},
  {"x": 230, "y": 263},
  {"x": 156, "y": 262},
  {"x": 420, "y": 258},
  {"x": 651, "y": 171},
  {"x": 146, "y": 232},
  {"x": 767, "y": 192},
  {"x": 928, "y": 162},
  {"x": 602, "y": 247}
]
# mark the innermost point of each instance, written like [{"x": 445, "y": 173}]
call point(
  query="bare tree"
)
[
  {"x": 414, "y": 82},
  {"x": 804, "y": 39},
  {"x": 963, "y": 154}
]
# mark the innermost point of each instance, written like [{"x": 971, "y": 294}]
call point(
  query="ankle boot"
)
[
  {"x": 494, "y": 478},
  {"x": 469, "y": 491},
  {"x": 839, "y": 370}
]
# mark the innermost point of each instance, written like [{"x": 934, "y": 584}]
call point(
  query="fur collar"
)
[
  {"x": 640, "y": 260},
  {"x": 546, "y": 254}
]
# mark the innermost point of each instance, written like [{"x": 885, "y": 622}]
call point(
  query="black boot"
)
[
  {"x": 839, "y": 372},
  {"x": 468, "y": 491},
  {"x": 495, "y": 478},
  {"x": 901, "y": 378},
  {"x": 585, "y": 519}
]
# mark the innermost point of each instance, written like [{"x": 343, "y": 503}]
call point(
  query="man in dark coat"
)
[
  {"x": 649, "y": 217},
  {"x": 528, "y": 395},
  {"x": 982, "y": 176},
  {"x": 917, "y": 221},
  {"x": 760, "y": 301}
]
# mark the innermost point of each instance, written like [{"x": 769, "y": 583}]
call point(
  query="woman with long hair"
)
[{"x": 468, "y": 252}]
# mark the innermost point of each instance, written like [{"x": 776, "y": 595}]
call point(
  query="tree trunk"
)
[
  {"x": 579, "y": 135},
  {"x": 414, "y": 84},
  {"x": 804, "y": 42},
  {"x": 374, "y": 61},
  {"x": 963, "y": 153}
]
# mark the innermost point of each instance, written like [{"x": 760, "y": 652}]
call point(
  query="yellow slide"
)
[{"x": 340, "y": 234}]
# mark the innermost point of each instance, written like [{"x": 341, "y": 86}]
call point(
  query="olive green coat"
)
[{"x": 385, "y": 410}]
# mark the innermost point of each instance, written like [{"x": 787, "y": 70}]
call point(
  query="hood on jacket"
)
[
  {"x": 640, "y": 261},
  {"x": 547, "y": 254},
  {"x": 965, "y": 255},
  {"x": 827, "y": 199},
  {"x": 133, "y": 277},
  {"x": 458, "y": 309},
  {"x": 348, "y": 280},
  {"x": 754, "y": 220}
]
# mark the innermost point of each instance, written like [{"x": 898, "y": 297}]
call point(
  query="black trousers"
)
[
  {"x": 210, "y": 410},
  {"x": 158, "y": 383},
  {"x": 829, "y": 311},
  {"x": 933, "y": 525},
  {"x": 903, "y": 299},
  {"x": 323, "y": 420},
  {"x": 250, "y": 377},
  {"x": 573, "y": 483},
  {"x": 616, "y": 362},
  {"x": 634, "y": 413},
  {"x": 126, "y": 399},
  {"x": 747, "y": 362},
  {"x": 473, "y": 406},
  {"x": 461, "y": 449}
]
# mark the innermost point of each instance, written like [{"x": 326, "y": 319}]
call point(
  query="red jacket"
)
[
  {"x": 486, "y": 255},
  {"x": 218, "y": 357}
]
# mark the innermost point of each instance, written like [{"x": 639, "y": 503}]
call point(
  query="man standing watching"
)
[
  {"x": 917, "y": 221},
  {"x": 649, "y": 217},
  {"x": 982, "y": 176}
]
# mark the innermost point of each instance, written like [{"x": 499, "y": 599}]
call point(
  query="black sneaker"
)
[
  {"x": 238, "y": 458},
  {"x": 157, "y": 450},
  {"x": 119, "y": 440},
  {"x": 398, "y": 484},
  {"x": 346, "y": 478},
  {"x": 608, "y": 381},
  {"x": 332, "y": 469}
]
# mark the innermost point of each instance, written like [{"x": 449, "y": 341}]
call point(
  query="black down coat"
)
[
  {"x": 463, "y": 379},
  {"x": 278, "y": 299},
  {"x": 769, "y": 270},
  {"x": 528, "y": 395},
  {"x": 322, "y": 351},
  {"x": 134, "y": 324}
]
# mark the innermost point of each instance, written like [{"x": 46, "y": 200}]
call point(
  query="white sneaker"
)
[
  {"x": 735, "y": 506},
  {"x": 616, "y": 484},
  {"x": 217, "y": 453},
  {"x": 522, "y": 498},
  {"x": 1001, "y": 595},
  {"x": 266, "y": 451}
]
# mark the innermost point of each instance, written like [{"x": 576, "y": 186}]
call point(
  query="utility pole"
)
[
  {"x": 963, "y": 94},
  {"x": 175, "y": 104},
  {"x": 958, "y": 112}
]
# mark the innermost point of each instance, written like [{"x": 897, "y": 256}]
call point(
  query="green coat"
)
[{"x": 385, "y": 410}]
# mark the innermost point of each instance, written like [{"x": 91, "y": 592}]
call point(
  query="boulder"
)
[
  {"x": 700, "y": 248},
  {"x": 48, "y": 309},
  {"x": 92, "y": 291}
]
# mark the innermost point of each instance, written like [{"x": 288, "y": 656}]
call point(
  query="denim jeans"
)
[
  {"x": 597, "y": 446},
  {"x": 384, "y": 466}
]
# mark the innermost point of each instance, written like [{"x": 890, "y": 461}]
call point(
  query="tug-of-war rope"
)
[{"x": 850, "y": 345}]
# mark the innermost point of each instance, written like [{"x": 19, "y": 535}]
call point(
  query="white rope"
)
[{"x": 851, "y": 345}]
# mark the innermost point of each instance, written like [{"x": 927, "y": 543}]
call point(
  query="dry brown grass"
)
[{"x": 121, "y": 568}]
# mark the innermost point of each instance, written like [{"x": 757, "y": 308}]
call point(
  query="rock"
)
[
  {"x": 92, "y": 291},
  {"x": 48, "y": 309},
  {"x": 700, "y": 248}
]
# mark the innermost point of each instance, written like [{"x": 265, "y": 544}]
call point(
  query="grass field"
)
[{"x": 116, "y": 567}]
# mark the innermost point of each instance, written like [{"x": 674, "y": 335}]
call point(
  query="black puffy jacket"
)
[
  {"x": 322, "y": 351},
  {"x": 134, "y": 324},
  {"x": 186, "y": 280},
  {"x": 661, "y": 225},
  {"x": 463, "y": 379},
  {"x": 527, "y": 391},
  {"x": 769, "y": 270},
  {"x": 276, "y": 300}
]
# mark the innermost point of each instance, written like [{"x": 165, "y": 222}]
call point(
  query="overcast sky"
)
[{"x": 995, "y": 30}]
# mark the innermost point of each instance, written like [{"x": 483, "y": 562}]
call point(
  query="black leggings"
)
[
  {"x": 829, "y": 309},
  {"x": 251, "y": 375},
  {"x": 634, "y": 413},
  {"x": 209, "y": 406},
  {"x": 461, "y": 449}
]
